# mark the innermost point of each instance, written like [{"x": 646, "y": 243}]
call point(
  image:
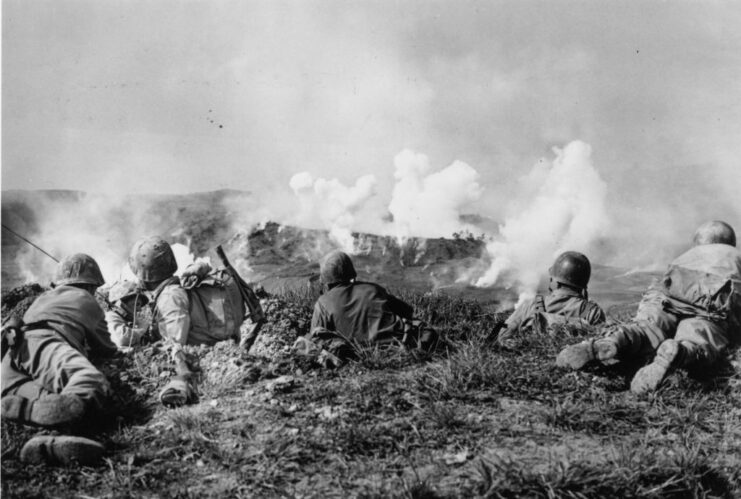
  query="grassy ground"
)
[{"x": 473, "y": 421}]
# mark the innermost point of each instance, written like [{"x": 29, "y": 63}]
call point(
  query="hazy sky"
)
[{"x": 180, "y": 96}]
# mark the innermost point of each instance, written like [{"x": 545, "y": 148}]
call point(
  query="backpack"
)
[
  {"x": 216, "y": 308},
  {"x": 216, "y": 311}
]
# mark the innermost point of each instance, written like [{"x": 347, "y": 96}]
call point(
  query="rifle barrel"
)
[{"x": 29, "y": 242}]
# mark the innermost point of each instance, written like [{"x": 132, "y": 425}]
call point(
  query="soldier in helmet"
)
[
  {"x": 127, "y": 315},
  {"x": 567, "y": 300},
  {"x": 178, "y": 319},
  {"x": 47, "y": 377},
  {"x": 352, "y": 313},
  {"x": 687, "y": 320},
  {"x": 153, "y": 262}
]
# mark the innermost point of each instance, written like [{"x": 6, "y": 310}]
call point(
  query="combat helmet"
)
[
  {"x": 152, "y": 260},
  {"x": 336, "y": 267},
  {"x": 78, "y": 269},
  {"x": 571, "y": 268},
  {"x": 714, "y": 232},
  {"x": 124, "y": 289}
]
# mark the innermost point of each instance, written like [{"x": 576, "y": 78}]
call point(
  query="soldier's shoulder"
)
[{"x": 172, "y": 292}]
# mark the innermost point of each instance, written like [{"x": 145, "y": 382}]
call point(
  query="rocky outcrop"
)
[{"x": 275, "y": 244}]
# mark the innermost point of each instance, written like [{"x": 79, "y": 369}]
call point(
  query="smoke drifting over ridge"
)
[
  {"x": 106, "y": 226},
  {"x": 559, "y": 205},
  {"x": 429, "y": 204},
  {"x": 338, "y": 88},
  {"x": 562, "y": 208},
  {"x": 332, "y": 203},
  {"x": 423, "y": 203}
]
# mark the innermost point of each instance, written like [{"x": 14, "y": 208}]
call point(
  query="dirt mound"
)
[{"x": 16, "y": 301}]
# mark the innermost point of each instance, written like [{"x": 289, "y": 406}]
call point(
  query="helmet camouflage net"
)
[
  {"x": 152, "y": 260},
  {"x": 78, "y": 269},
  {"x": 714, "y": 232},
  {"x": 571, "y": 268}
]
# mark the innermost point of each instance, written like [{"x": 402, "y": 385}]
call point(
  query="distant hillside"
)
[{"x": 277, "y": 256}]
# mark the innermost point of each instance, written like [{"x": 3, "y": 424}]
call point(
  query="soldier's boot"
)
[
  {"x": 577, "y": 356},
  {"x": 179, "y": 391},
  {"x": 49, "y": 411},
  {"x": 62, "y": 450},
  {"x": 649, "y": 377}
]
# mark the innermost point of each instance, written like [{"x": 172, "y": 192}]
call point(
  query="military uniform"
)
[
  {"x": 182, "y": 320},
  {"x": 127, "y": 316},
  {"x": 352, "y": 314},
  {"x": 362, "y": 312},
  {"x": 698, "y": 303},
  {"x": 64, "y": 327},
  {"x": 121, "y": 331},
  {"x": 687, "y": 320},
  {"x": 561, "y": 302}
]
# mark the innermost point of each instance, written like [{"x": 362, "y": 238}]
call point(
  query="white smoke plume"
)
[
  {"x": 333, "y": 204},
  {"x": 105, "y": 226},
  {"x": 428, "y": 204},
  {"x": 63, "y": 228},
  {"x": 562, "y": 208}
]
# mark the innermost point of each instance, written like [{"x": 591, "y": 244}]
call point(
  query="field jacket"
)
[
  {"x": 564, "y": 302},
  {"x": 706, "y": 282},
  {"x": 76, "y": 316},
  {"x": 362, "y": 312}
]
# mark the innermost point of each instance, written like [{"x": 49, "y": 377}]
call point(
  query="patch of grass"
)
[
  {"x": 365, "y": 429},
  {"x": 642, "y": 473},
  {"x": 610, "y": 417}
]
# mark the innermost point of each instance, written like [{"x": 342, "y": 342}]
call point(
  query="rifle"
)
[{"x": 250, "y": 299}]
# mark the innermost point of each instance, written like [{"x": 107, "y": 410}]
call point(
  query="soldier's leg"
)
[
  {"x": 703, "y": 342},
  {"x": 59, "y": 368},
  {"x": 627, "y": 341},
  {"x": 15, "y": 382},
  {"x": 65, "y": 384},
  {"x": 48, "y": 383},
  {"x": 698, "y": 344}
]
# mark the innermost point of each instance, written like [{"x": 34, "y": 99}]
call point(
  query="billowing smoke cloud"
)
[
  {"x": 562, "y": 207},
  {"x": 332, "y": 203},
  {"x": 428, "y": 204},
  {"x": 77, "y": 223},
  {"x": 423, "y": 203},
  {"x": 106, "y": 227}
]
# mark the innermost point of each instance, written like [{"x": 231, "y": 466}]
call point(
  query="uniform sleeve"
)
[
  {"x": 100, "y": 341},
  {"x": 523, "y": 312},
  {"x": 400, "y": 307},
  {"x": 122, "y": 334},
  {"x": 320, "y": 318},
  {"x": 173, "y": 315},
  {"x": 596, "y": 315}
]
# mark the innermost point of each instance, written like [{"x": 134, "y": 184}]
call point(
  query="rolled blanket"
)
[{"x": 178, "y": 392}]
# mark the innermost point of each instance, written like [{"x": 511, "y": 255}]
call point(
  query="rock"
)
[{"x": 281, "y": 384}]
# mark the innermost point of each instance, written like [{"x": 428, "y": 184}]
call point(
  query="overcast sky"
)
[{"x": 181, "y": 96}]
